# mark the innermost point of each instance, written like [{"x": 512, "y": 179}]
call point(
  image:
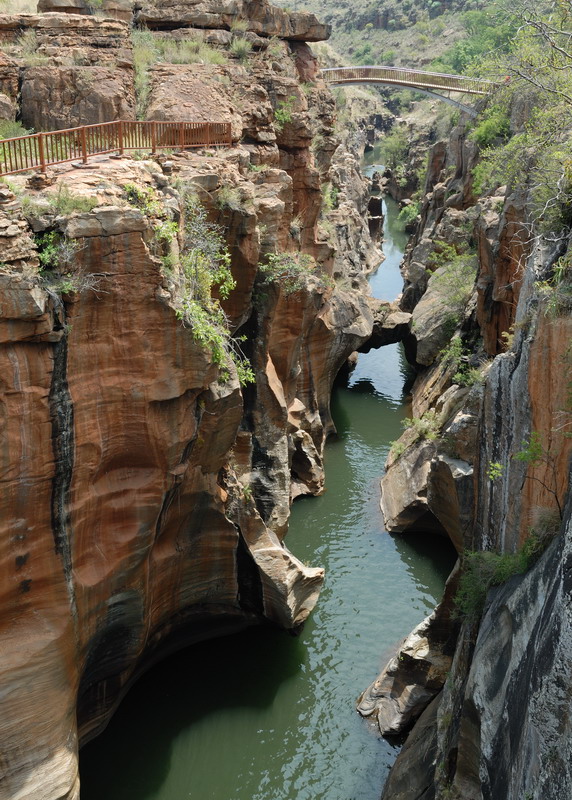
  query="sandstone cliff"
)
[{"x": 146, "y": 494}]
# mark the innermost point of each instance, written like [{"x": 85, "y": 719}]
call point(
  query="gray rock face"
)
[
  {"x": 515, "y": 732},
  {"x": 433, "y": 317}
]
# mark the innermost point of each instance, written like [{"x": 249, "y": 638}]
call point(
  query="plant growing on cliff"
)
[
  {"x": 65, "y": 202},
  {"x": 329, "y": 197},
  {"x": 11, "y": 130},
  {"x": 454, "y": 277},
  {"x": 455, "y": 356},
  {"x": 537, "y": 85},
  {"x": 407, "y": 215},
  {"x": 424, "y": 427},
  {"x": 240, "y": 48},
  {"x": 394, "y": 148},
  {"x": 283, "y": 112},
  {"x": 205, "y": 266},
  {"x": 494, "y": 470},
  {"x": 557, "y": 290},
  {"x": 291, "y": 271},
  {"x": 483, "y": 570},
  {"x": 534, "y": 454},
  {"x": 228, "y": 197}
]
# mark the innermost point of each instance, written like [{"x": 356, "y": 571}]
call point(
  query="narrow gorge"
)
[{"x": 208, "y": 368}]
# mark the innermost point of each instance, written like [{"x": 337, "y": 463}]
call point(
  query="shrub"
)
[
  {"x": 329, "y": 197},
  {"x": 11, "y": 130},
  {"x": 455, "y": 277},
  {"x": 455, "y": 356},
  {"x": 483, "y": 570},
  {"x": 228, "y": 197},
  {"x": 397, "y": 448},
  {"x": 65, "y": 202},
  {"x": 290, "y": 270},
  {"x": 283, "y": 112},
  {"x": 394, "y": 148},
  {"x": 408, "y": 214},
  {"x": 424, "y": 427},
  {"x": 557, "y": 291},
  {"x": 28, "y": 45},
  {"x": 144, "y": 198},
  {"x": 493, "y": 128},
  {"x": 205, "y": 264},
  {"x": 238, "y": 25},
  {"x": 240, "y": 48}
]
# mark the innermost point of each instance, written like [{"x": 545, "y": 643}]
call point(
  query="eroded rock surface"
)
[
  {"x": 161, "y": 490},
  {"x": 261, "y": 18}
]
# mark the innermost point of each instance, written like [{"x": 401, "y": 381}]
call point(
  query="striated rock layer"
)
[
  {"x": 145, "y": 494},
  {"x": 487, "y": 462}
]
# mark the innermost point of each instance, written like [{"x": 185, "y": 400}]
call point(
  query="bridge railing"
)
[
  {"x": 408, "y": 77},
  {"x": 41, "y": 150}
]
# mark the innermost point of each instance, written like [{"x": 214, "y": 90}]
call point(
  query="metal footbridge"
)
[{"x": 431, "y": 83}]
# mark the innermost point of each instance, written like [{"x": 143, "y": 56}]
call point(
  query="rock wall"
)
[
  {"x": 490, "y": 730},
  {"x": 146, "y": 494}
]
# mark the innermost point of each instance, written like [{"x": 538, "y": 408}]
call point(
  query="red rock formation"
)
[
  {"x": 120, "y": 430},
  {"x": 261, "y": 18}
]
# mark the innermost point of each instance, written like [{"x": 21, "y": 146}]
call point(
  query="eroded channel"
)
[{"x": 262, "y": 715}]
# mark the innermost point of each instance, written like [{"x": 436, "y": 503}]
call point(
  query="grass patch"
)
[{"x": 483, "y": 570}]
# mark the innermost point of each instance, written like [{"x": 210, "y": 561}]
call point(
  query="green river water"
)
[{"x": 265, "y": 716}]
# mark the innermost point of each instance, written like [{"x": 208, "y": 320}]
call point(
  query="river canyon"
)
[
  {"x": 280, "y": 727},
  {"x": 205, "y": 374}
]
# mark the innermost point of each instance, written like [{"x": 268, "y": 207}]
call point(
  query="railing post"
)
[
  {"x": 42, "y": 153},
  {"x": 153, "y": 137},
  {"x": 120, "y": 137},
  {"x": 182, "y": 135},
  {"x": 208, "y": 134},
  {"x": 83, "y": 144}
]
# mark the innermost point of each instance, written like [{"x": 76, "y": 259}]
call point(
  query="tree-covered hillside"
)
[{"x": 414, "y": 33}]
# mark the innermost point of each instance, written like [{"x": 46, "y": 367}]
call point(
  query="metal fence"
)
[
  {"x": 41, "y": 150},
  {"x": 407, "y": 77}
]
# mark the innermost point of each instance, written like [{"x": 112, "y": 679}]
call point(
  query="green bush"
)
[
  {"x": 205, "y": 266},
  {"x": 455, "y": 356},
  {"x": 11, "y": 130},
  {"x": 394, "y": 148},
  {"x": 290, "y": 270},
  {"x": 455, "y": 277},
  {"x": 329, "y": 197},
  {"x": 493, "y": 128},
  {"x": 408, "y": 214},
  {"x": 483, "y": 570},
  {"x": 283, "y": 112},
  {"x": 65, "y": 202},
  {"x": 240, "y": 48},
  {"x": 424, "y": 427}
]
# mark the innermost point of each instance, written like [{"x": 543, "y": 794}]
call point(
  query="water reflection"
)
[
  {"x": 419, "y": 550},
  {"x": 199, "y": 687}
]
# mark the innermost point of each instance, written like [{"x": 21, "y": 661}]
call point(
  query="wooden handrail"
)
[
  {"x": 408, "y": 77},
  {"x": 41, "y": 150}
]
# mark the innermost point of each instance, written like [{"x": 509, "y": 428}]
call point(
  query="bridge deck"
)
[{"x": 408, "y": 78}]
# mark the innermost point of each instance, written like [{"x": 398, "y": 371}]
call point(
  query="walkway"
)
[
  {"x": 407, "y": 78},
  {"x": 431, "y": 83},
  {"x": 41, "y": 150}
]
